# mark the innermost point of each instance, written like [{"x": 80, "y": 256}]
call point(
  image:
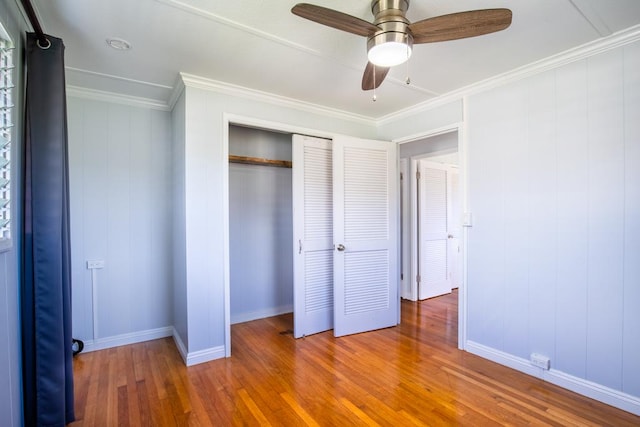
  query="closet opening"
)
[{"x": 260, "y": 224}]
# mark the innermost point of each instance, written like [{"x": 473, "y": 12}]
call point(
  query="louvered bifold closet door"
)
[
  {"x": 434, "y": 230},
  {"x": 313, "y": 235},
  {"x": 365, "y": 189}
]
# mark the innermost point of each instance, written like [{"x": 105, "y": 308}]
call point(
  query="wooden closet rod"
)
[{"x": 258, "y": 161}]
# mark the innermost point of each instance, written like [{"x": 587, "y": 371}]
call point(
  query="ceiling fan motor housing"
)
[{"x": 392, "y": 23}]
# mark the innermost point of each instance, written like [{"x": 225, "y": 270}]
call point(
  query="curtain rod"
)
[{"x": 33, "y": 19}]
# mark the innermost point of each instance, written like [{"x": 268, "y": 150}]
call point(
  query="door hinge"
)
[
  {"x": 417, "y": 175},
  {"x": 401, "y": 176},
  {"x": 401, "y": 276},
  {"x": 418, "y": 278}
]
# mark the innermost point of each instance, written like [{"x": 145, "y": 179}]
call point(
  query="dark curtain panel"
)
[{"x": 46, "y": 267}]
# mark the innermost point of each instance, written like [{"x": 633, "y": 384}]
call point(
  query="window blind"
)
[{"x": 6, "y": 123}]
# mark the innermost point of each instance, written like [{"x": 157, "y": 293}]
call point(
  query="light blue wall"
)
[
  {"x": 265, "y": 144},
  {"x": 179, "y": 225},
  {"x": 443, "y": 143},
  {"x": 554, "y": 188},
  {"x": 10, "y": 353},
  {"x": 121, "y": 212},
  {"x": 260, "y": 226}
]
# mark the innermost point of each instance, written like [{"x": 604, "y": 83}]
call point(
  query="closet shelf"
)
[{"x": 258, "y": 161}]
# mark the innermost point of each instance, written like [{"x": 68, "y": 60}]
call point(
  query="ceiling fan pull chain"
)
[
  {"x": 374, "y": 84},
  {"x": 408, "y": 80}
]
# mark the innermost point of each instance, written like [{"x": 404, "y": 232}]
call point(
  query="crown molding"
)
[
  {"x": 189, "y": 80},
  {"x": 621, "y": 38},
  {"x": 154, "y": 102},
  {"x": 178, "y": 88},
  {"x": 99, "y": 95}
]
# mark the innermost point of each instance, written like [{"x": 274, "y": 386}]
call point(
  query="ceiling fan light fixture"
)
[
  {"x": 391, "y": 36},
  {"x": 389, "y": 49}
]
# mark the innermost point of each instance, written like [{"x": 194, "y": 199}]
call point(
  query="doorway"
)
[{"x": 432, "y": 254}]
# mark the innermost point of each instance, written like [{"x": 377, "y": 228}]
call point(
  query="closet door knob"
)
[{"x": 340, "y": 247}]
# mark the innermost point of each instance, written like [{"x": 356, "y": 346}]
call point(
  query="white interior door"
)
[
  {"x": 313, "y": 235},
  {"x": 365, "y": 202},
  {"x": 434, "y": 235}
]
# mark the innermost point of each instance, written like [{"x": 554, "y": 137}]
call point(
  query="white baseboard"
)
[
  {"x": 189, "y": 359},
  {"x": 205, "y": 355},
  {"x": 200, "y": 356},
  {"x": 612, "y": 397},
  {"x": 182, "y": 349},
  {"x": 506, "y": 359},
  {"x": 261, "y": 314},
  {"x": 125, "y": 339},
  {"x": 595, "y": 391}
]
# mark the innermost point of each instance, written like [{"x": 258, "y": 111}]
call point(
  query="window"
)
[{"x": 6, "y": 123}]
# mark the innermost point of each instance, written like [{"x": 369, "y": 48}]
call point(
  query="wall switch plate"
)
[
  {"x": 95, "y": 264},
  {"x": 467, "y": 219},
  {"x": 540, "y": 361}
]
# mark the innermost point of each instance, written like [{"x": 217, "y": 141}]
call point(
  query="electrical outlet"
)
[
  {"x": 95, "y": 264},
  {"x": 540, "y": 361}
]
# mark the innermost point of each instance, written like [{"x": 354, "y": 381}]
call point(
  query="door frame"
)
[
  {"x": 414, "y": 216},
  {"x": 406, "y": 288},
  {"x": 463, "y": 180}
]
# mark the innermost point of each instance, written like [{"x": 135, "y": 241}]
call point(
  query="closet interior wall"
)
[{"x": 260, "y": 226}]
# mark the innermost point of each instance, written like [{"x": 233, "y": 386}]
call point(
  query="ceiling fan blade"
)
[
  {"x": 335, "y": 19},
  {"x": 460, "y": 25},
  {"x": 373, "y": 73}
]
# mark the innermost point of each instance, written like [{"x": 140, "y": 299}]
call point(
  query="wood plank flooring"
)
[{"x": 412, "y": 374}]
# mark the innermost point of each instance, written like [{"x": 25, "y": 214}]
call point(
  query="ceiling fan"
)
[{"x": 390, "y": 38}]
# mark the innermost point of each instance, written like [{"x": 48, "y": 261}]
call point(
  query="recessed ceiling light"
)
[{"x": 119, "y": 44}]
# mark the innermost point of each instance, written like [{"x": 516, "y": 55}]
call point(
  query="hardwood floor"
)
[{"x": 412, "y": 374}]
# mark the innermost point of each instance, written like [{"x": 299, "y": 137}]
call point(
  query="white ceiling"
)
[{"x": 261, "y": 45}]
